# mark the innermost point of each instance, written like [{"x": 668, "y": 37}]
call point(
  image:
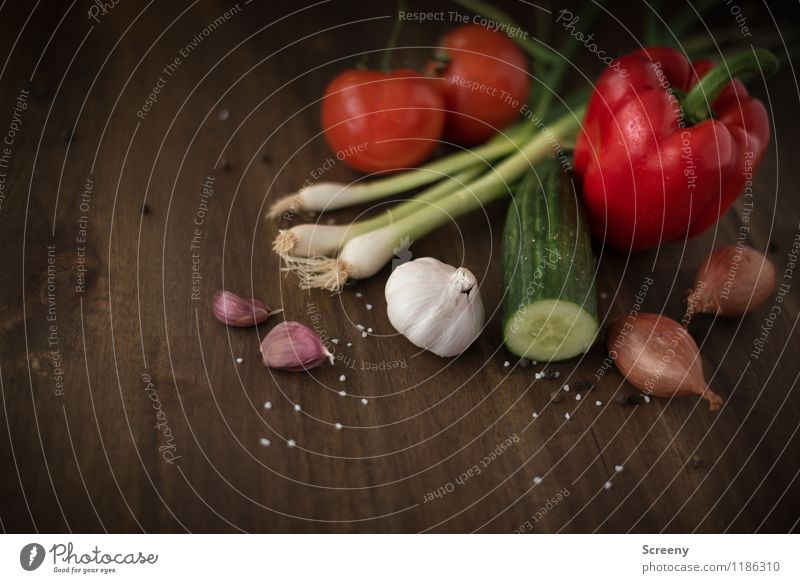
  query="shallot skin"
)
[
  {"x": 733, "y": 281},
  {"x": 659, "y": 357}
]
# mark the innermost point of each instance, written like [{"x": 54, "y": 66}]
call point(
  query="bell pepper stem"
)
[{"x": 697, "y": 103}]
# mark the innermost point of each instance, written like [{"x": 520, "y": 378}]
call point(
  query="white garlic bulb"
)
[{"x": 436, "y": 306}]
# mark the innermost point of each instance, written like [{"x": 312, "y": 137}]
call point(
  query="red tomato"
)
[
  {"x": 383, "y": 121},
  {"x": 486, "y": 83}
]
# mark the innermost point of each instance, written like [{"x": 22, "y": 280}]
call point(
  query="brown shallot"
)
[
  {"x": 659, "y": 357},
  {"x": 733, "y": 281}
]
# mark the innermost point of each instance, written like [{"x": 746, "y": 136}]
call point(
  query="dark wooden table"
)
[{"x": 124, "y": 409}]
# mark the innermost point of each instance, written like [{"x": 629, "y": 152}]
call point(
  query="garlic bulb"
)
[{"x": 436, "y": 306}]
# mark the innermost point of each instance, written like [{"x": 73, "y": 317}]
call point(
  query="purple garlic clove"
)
[
  {"x": 232, "y": 310},
  {"x": 294, "y": 347}
]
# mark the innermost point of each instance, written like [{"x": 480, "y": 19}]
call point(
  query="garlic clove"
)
[
  {"x": 233, "y": 310},
  {"x": 733, "y": 281},
  {"x": 293, "y": 346},
  {"x": 659, "y": 357},
  {"x": 435, "y": 306}
]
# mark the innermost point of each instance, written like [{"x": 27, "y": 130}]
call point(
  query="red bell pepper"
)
[{"x": 657, "y": 164}]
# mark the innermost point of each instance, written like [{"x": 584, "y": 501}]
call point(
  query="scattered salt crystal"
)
[
  {"x": 335, "y": 341},
  {"x": 556, "y": 375},
  {"x": 291, "y": 443},
  {"x": 607, "y": 485},
  {"x": 239, "y": 360},
  {"x": 534, "y": 363},
  {"x": 349, "y": 344},
  {"x": 364, "y": 334},
  {"x": 297, "y": 407},
  {"x": 566, "y": 388},
  {"x": 264, "y": 441},
  {"x": 359, "y": 326},
  {"x": 598, "y": 403},
  {"x": 223, "y": 114},
  {"x": 364, "y": 401},
  {"x": 342, "y": 393},
  {"x": 566, "y": 416},
  {"x": 369, "y": 306},
  {"x": 577, "y": 397},
  {"x": 618, "y": 468},
  {"x": 369, "y": 330},
  {"x": 535, "y": 415},
  {"x": 268, "y": 405},
  {"x": 338, "y": 426},
  {"x": 646, "y": 399},
  {"x": 506, "y": 363},
  {"x": 537, "y": 479},
  {"x": 359, "y": 295},
  {"x": 342, "y": 378},
  {"x": 538, "y": 375}
]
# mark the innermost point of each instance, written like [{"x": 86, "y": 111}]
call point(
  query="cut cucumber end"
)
[{"x": 550, "y": 330}]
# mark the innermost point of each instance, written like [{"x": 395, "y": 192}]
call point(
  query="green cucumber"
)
[{"x": 550, "y": 300}]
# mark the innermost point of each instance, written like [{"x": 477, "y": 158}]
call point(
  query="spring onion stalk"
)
[
  {"x": 534, "y": 49},
  {"x": 328, "y": 196},
  {"x": 364, "y": 255},
  {"x": 312, "y": 239},
  {"x": 551, "y": 80}
]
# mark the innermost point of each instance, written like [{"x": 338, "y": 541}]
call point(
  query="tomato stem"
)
[
  {"x": 393, "y": 36},
  {"x": 697, "y": 103}
]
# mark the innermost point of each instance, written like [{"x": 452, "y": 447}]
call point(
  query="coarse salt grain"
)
[
  {"x": 335, "y": 341},
  {"x": 360, "y": 326},
  {"x": 646, "y": 399},
  {"x": 364, "y": 334},
  {"x": 364, "y": 401},
  {"x": 369, "y": 330},
  {"x": 506, "y": 363},
  {"x": 607, "y": 485},
  {"x": 566, "y": 388},
  {"x": 538, "y": 375},
  {"x": 268, "y": 405},
  {"x": 349, "y": 344},
  {"x": 577, "y": 397},
  {"x": 566, "y": 416},
  {"x": 291, "y": 443},
  {"x": 342, "y": 393},
  {"x": 338, "y": 426},
  {"x": 618, "y": 468},
  {"x": 369, "y": 306},
  {"x": 359, "y": 295},
  {"x": 535, "y": 415},
  {"x": 239, "y": 360},
  {"x": 342, "y": 378},
  {"x": 537, "y": 479},
  {"x": 558, "y": 374},
  {"x": 297, "y": 407},
  {"x": 264, "y": 441},
  {"x": 598, "y": 403}
]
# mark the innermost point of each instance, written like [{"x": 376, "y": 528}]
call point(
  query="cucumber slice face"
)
[{"x": 550, "y": 330}]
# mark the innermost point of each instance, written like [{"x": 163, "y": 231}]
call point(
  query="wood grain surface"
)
[{"x": 124, "y": 409}]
